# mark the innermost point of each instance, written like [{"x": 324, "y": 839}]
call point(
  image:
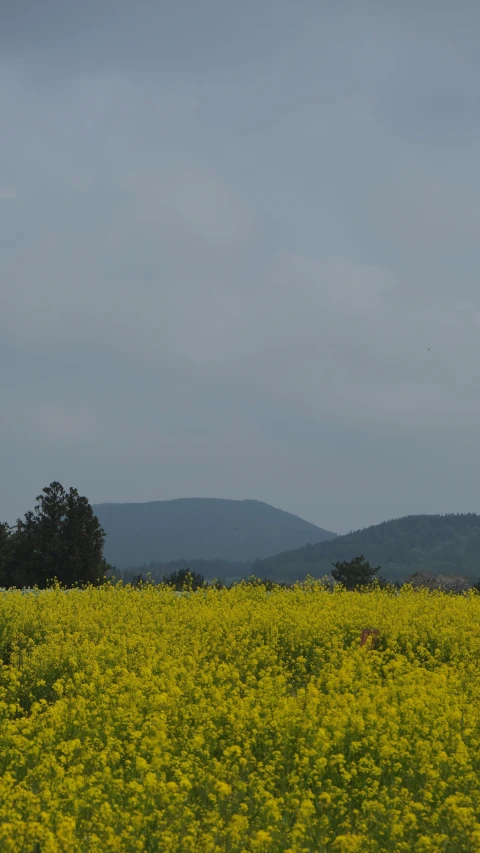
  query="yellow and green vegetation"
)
[{"x": 239, "y": 720}]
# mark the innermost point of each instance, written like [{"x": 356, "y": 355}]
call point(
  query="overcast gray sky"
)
[{"x": 239, "y": 254}]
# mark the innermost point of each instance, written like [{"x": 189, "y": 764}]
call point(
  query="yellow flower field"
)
[{"x": 239, "y": 720}]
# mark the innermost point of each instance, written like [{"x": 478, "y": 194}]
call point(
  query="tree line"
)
[
  {"x": 60, "y": 539},
  {"x": 444, "y": 545},
  {"x": 351, "y": 574}
]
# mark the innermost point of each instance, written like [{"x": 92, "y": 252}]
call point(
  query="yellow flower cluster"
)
[{"x": 239, "y": 720}]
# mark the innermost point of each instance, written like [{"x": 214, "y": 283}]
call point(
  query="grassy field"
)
[{"x": 236, "y": 720}]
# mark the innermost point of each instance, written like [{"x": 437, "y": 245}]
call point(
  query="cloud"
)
[
  {"x": 237, "y": 248},
  {"x": 7, "y": 194},
  {"x": 61, "y": 422},
  {"x": 172, "y": 258}
]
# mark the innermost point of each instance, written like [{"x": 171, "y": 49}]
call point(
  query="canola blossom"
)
[{"x": 239, "y": 720}]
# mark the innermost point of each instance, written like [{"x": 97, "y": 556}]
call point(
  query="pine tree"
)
[
  {"x": 61, "y": 538},
  {"x": 353, "y": 573},
  {"x": 184, "y": 578},
  {"x": 49, "y": 517},
  {"x": 26, "y": 561},
  {"x": 83, "y": 542},
  {"x": 6, "y": 548}
]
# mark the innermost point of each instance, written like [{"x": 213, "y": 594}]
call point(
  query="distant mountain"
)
[
  {"x": 440, "y": 544},
  {"x": 202, "y": 528}
]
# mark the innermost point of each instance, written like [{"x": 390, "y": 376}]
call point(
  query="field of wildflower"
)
[{"x": 239, "y": 720}]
